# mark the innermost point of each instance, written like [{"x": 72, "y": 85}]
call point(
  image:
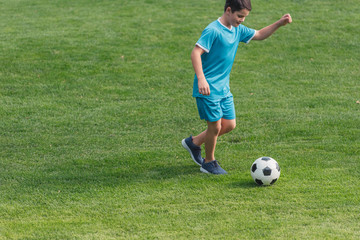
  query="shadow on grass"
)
[
  {"x": 92, "y": 173},
  {"x": 159, "y": 172},
  {"x": 243, "y": 184}
]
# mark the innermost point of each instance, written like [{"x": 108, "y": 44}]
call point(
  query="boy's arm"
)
[
  {"x": 267, "y": 31},
  {"x": 203, "y": 85}
]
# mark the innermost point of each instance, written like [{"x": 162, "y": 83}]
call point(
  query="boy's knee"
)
[
  {"x": 214, "y": 127},
  {"x": 216, "y": 130},
  {"x": 229, "y": 126},
  {"x": 232, "y": 125}
]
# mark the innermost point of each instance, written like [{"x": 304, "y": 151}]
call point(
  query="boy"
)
[{"x": 212, "y": 59}]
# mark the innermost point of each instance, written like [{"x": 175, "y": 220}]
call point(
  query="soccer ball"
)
[{"x": 265, "y": 171}]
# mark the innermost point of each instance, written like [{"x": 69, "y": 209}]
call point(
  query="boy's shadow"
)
[
  {"x": 170, "y": 171},
  {"x": 246, "y": 184}
]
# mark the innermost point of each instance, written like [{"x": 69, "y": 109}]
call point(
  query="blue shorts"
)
[{"x": 214, "y": 110}]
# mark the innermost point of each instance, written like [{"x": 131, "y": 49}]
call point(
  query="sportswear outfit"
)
[{"x": 220, "y": 45}]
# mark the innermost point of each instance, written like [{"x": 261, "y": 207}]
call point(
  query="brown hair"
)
[{"x": 237, "y": 5}]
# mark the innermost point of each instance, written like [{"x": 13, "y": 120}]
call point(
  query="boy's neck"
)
[{"x": 223, "y": 19}]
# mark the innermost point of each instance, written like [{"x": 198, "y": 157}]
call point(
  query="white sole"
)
[
  {"x": 203, "y": 170},
  {"x": 183, "y": 143}
]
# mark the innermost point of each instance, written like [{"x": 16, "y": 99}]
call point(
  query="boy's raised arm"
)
[{"x": 267, "y": 31}]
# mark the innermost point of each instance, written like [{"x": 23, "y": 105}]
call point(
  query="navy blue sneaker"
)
[
  {"x": 212, "y": 167},
  {"x": 194, "y": 150}
]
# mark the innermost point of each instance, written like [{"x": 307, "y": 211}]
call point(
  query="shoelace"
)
[{"x": 216, "y": 163}]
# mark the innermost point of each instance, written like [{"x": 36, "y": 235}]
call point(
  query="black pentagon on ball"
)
[
  {"x": 267, "y": 171},
  {"x": 277, "y": 167},
  {"x": 273, "y": 181},
  {"x": 254, "y": 167},
  {"x": 266, "y": 158},
  {"x": 259, "y": 182}
]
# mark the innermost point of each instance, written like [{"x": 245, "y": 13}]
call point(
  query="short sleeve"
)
[
  {"x": 246, "y": 34},
  {"x": 207, "y": 39}
]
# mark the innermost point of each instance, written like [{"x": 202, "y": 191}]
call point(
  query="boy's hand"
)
[
  {"x": 285, "y": 19},
  {"x": 203, "y": 86},
  {"x": 267, "y": 31}
]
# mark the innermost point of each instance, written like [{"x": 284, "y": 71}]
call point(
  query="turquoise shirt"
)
[{"x": 220, "y": 45}]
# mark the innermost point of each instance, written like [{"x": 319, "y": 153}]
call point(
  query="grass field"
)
[{"x": 96, "y": 97}]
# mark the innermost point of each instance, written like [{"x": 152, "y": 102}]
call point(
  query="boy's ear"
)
[{"x": 228, "y": 10}]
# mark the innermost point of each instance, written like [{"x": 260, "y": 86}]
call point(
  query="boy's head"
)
[
  {"x": 235, "y": 12},
  {"x": 237, "y": 5}
]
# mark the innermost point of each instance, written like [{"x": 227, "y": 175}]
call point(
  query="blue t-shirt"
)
[{"x": 220, "y": 45}]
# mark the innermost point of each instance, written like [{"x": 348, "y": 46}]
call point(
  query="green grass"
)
[{"x": 96, "y": 96}]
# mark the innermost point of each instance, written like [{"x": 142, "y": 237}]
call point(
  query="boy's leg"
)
[
  {"x": 211, "y": 110},
  {"x": 192, "y": 144},
  {"x": 210, "y": 165},
  {"x": 212, "y": 134},
  {"x": 226, "y": 126}
]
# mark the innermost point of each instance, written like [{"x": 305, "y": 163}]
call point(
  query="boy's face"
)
[{"x": 237, "y": 17}]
